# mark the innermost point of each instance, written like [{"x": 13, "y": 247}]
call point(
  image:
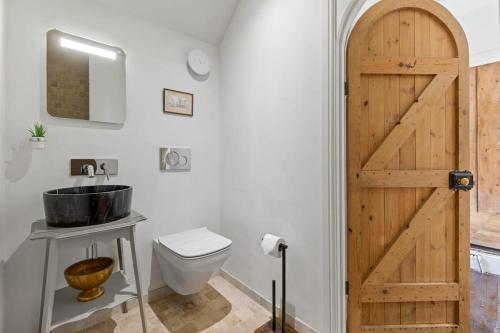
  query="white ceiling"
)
[{"x": 203, "y": 19}]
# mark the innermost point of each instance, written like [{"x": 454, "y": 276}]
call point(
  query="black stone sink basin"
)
[{"x": 86, "y": 205}]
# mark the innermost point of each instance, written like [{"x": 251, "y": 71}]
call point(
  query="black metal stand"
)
[
  {"x": 274, "y": 306},
  {"x": 283, "y": 248},
  {"x": 270, "y": 326}
]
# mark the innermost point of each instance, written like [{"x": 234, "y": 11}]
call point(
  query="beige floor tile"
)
[{"x": 219, "y": 308}]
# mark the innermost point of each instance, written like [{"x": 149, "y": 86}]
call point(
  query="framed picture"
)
[{"x": 177, "y": 102}]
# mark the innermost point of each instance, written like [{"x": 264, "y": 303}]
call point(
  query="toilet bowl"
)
[{"x": 188, "y": 259}]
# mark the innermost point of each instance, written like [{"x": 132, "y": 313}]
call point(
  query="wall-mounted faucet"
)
[
  {"x": 88, "y": 169},
  {"x": 94, "y": 167}
]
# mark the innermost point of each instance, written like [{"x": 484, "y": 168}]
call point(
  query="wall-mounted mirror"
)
[{"x": 85, "y": 79}]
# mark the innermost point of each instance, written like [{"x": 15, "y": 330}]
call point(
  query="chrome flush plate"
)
[{"x": 175, "y": 159}]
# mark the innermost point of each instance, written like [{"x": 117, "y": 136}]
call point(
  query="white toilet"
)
[{"x": 188, "y": 259}]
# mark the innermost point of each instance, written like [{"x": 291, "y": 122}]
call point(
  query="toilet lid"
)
[{"x": 195, "y": 243}]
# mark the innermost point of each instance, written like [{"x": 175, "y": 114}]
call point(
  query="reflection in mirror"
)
[{"x": 85, "y": 79}]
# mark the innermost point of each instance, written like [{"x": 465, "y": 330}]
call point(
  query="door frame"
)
[{"x": 339, "y": 36}]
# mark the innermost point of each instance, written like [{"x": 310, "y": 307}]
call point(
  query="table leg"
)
[
  {"x": 121, "y": 265},
  {"x": 49, "y": 286},
  {"x": 137, "y": 274}
]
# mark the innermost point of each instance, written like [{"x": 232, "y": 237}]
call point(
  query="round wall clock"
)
[{"x": 199, "y": 62}]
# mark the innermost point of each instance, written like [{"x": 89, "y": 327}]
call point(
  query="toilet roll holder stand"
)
[
  {"x": 271, "y": 326},
  {"x": 282, "y": 249}
]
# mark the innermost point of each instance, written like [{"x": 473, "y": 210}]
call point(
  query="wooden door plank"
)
[
  {"x": 484, "y": 230},
  {"x": 410, "y": 120},
  {"x": 354, "y": 194},
  {"x": 418, "y": 328},
  {"x": 487, "y": 138},
  {"x": 365, "y": 149},
  {"x": 473, "y": 136},
  {"x": 438, "y": 45},
  {"x": 407, "y": 239},
  {"x": 407, "y": 155},
  {"x": 451, "y": 216},
  {"x": 409, "y": 65},
  {"x": 376, "y": 118},
  {"x": 409, "y": 292},
  {"x": 488, "y": 122},
  {"x": 392, "y": 199},
  {"x": 404, "y": 178},
  {"x": 451, "y": 163},
  {"x": 463, "y": 197},
  {"x": 423, "y": 161}
]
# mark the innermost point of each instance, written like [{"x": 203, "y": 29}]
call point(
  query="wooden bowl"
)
[{"x": 88, "y": 275}]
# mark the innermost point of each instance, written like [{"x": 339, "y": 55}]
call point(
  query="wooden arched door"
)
[{"x": 407, "y": 125}]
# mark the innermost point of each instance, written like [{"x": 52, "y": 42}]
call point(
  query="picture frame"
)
[{"x": 178, "y": 102}]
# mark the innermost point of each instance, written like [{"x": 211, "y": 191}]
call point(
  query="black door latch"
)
[{"x": 461, "y": 180}]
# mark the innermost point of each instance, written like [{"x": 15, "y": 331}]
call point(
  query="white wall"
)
[
  {"x": 172, "y": 202},
  {"x": 273, "y": 147},
  {"x": 480, "y": 21},
  {"x": 2, "y": 155}
]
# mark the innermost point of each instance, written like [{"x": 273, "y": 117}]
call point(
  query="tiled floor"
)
[
  {"x": 485, "y": 303},
  {"x": 219, "y": 308}
]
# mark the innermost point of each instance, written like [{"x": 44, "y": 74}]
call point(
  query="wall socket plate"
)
[{"x": 175, "y": 159}]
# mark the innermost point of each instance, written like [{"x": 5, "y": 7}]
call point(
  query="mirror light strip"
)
[{"x": 71, "y": 44}]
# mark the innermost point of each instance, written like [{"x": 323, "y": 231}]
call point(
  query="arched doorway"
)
[{"x": 408, "y": 242}]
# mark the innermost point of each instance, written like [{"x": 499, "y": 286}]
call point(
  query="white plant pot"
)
[{"x": 37, "y": 143}]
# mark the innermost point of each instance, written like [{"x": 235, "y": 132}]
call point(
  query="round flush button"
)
[
  {"x": 183, "y": 160},
  {"x": 172, "y": 158}
]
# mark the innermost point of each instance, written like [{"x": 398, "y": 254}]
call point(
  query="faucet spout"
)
[{"x": 88, "y": 170}]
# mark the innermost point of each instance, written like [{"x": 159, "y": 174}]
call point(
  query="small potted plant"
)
[{"x": 38, "y": 133}]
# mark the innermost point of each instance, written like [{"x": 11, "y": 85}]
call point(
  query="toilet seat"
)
[{"x": 195, "y": 244}]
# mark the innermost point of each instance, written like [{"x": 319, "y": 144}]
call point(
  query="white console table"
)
[{"x": 60, "y": 307}]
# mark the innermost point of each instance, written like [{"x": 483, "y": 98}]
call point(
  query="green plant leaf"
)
[{"x": 38, "y": 131}]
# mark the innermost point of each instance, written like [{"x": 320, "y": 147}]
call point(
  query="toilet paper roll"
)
[{"x": 270, "y": 245}]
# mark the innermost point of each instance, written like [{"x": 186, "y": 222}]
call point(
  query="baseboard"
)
[{"x": 295, "y": 322}]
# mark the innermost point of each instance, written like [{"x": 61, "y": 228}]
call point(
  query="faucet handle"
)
[{"x": 105, "y": 169}]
